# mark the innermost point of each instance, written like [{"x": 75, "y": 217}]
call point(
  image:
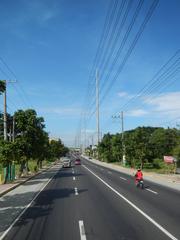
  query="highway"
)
[{"x": 91, "y": 202}]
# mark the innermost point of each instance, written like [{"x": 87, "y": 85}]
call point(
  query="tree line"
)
[
  {"x": 31, "y": 141},
  {"x": 26, "y": 140},
  {"x": 143, "y": 146}
]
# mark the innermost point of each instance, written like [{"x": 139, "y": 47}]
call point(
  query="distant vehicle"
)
[
  {"x": 78, "y": 161},
  {"x": 66, "y": 162}
]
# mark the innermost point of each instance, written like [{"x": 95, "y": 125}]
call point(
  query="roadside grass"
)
[
  {"x": 32, "y": 164},
  {"x": 163, "y": 169}
]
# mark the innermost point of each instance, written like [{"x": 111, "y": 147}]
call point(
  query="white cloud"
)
[
  {"x": 167, "y": 102},
  {"x": 136, "y": 113},
  {"x": 123, "y": 94},
  {"x": 64, "y": 111}
]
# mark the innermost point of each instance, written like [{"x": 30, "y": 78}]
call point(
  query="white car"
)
[{"x": 66, "y": 162}]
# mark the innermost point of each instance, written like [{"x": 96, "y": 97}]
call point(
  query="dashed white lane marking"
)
[
  {"x": 74, "y": 178},
  {"x": 76, "y": 191},
  {"x": 123, "y": 178},
  {"x": 135, "y": 207},
  {"x": 151, "y": 191},
  {"x": 82, "y": 230}
]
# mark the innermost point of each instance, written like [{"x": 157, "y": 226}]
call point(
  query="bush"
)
[
  {"x": 148, "y": 165},
  {"x": 35, "y": 168},
  {"x": 158, "y": 163}
]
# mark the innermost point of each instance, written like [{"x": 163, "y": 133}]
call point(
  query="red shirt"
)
[{"x": 139, "y": 175}]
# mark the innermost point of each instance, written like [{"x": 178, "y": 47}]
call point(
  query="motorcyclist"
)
[{"x": 138, "y": 176}]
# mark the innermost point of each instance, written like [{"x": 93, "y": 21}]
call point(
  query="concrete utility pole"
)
[
  {"x": 5, "y": 108},
  {"x": 13, "y": 130},
  {"x": 122, "y": 137},
  {"x": 123, "y": 144},
  {"x": 5, "y": 112},
  {"x": 97, "y": 106}
]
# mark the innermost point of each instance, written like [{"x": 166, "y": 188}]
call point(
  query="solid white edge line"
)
[
  {"x": 134, "y": 206},
  {"x": 123, "y": 178},
  {"x": 26, "y": 207},
  {"x": 151, "y": 191},
  {"x": 82, "y": 230}
]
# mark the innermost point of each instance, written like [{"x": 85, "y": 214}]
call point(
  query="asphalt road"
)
[{"x": 90, "y": 202}]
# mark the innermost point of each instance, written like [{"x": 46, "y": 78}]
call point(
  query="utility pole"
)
[
  {"x": 5, "y": 108},
  {"x": 13, "y": 130},
  {"x": 97, "y": 106},
  {"x": 123, "y": 144},
  {"x": 122, "y": 137},
  {"x": 5, "y": 112}
]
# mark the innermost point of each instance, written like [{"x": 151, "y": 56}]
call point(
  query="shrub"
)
[{"x": 158, "y": 163}]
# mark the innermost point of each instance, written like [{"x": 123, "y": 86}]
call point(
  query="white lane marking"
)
[
  {"x": 74, "y": 178},
  {"x": 26, "y": 207},
  {"x": 82, "y": 230},
  {"x": 135, "y": 207},
  {"x": 123, "y": 178},
  {"x": 76, "y": 191},
  {"x": 151, "y": 191},
  {"x": 109, "y": 172},
  {"x": 8, "y": 208}
]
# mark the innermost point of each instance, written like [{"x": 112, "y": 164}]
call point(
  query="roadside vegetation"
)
[
  {"x": 144, "y": 146},
  {"x": 31, "y": 147}
]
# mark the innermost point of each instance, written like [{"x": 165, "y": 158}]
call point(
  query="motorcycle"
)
[{"x": 140, "y": 183}]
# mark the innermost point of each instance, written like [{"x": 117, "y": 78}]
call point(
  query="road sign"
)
[{"x": 169, "y": 159}]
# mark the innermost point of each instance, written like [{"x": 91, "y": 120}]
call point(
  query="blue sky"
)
[{"x": 50, "y": 46}]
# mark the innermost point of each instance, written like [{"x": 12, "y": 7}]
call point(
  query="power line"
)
[
  {"x": 150, "y": 83},
  {"x": 140, "y": 31},
  {"x": 20, "y": 91},
  {"x": 132, "y": 46}
]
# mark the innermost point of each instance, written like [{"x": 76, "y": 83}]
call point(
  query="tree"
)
[
  {"x": 57, "y": 149},
  {"x": 2, "y": 86},
  {"x": 163, "y": 141},
  {"x": 116, "y": 143},
  {"x": 30, "y": 135},
  {"x": 7, "y": 155},
  {"x": 104, "y": 148}
]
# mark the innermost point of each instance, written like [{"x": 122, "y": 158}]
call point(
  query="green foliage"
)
[
  {"x": 7, "y": 150},
  {"x": 2, "y": 86},
  {"x": 105, "y": 148},
  {"x": 144, "y": 146},
  {"x": 31, "y": 145}
]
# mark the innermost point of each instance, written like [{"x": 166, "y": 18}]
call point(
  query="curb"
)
[{"x": 18, "y": 184}]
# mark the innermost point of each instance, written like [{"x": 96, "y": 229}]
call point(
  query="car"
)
[
  {"x": 78, "y": 161},
  {"x": 66, "y": 162}
]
